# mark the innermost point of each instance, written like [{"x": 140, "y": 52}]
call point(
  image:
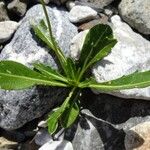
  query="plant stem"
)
[{"x": 57, "y": 50}]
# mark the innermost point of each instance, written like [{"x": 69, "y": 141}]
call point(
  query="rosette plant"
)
[{"x": 72, "y": 75}]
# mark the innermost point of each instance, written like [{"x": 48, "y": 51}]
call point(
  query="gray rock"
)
[
  {"x": 18, "y": 7},
  {"x": 3, "y": 12},
  {"x": 105, "y": 120},
  {"x": 7, "y": 29},
  {"x": 70, "y": 4},
  {"x": 136, "y": 13},
  {"x": 19, "y": 107},
  {"x": 80, "y": 14},
  {"x": 95, "y": 4},
  {"x": 124, "y": 59},
  {"x": 57, "y": 145},
  {"x": 42, "y": 137}
]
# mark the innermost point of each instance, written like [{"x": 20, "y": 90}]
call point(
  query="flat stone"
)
[
  {"x": 20, "y": 107},
  {"x": 80, "y": 14},
  {"x": 137, "y": 138},
  {"x": 3, "y": 12},
  {"x": 136, "y": 13},
  {"x": 7, "y": 29}
]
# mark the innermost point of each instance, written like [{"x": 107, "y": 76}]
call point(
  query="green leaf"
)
[
  {"x": 135, "y": 80},
  {"x": 70, "y": 115},
  {"x": 71, "y": 69},
  {"x": 14, "y": 76},
  {"x": 41, "y": 31},
  {"x": 98, "y": 44},
  {"x": 55, "y": 116},
  {"x": 49, "y": 72},
  {"x": 52, "y": 121}
]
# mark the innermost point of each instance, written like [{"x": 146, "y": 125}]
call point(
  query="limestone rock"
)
[
  {"x": 20, "y": 107},
  {"x": 136, "y": 13},
  {"x": 81, "y": 13},
  {"x": 7, "y": 29}
]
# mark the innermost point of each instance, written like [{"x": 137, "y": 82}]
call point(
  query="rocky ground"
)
[{"x": 109, "y": 121}]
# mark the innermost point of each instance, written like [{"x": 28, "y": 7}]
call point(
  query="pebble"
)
[
  {"x": 7, "y": 29},
  {"x": 80, "y": 14},
  {"x": 138, "y": 137},
  {"x": 3, "y": 12}
]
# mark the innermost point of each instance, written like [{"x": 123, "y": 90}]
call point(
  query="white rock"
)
[
  {"x": 131, "y": 53},
  {"x": 7, "y": 28},
  {"x": 57, "y": 145},
  {"x": 77, "y": 43},
  {"x": 81, "y": 13}
]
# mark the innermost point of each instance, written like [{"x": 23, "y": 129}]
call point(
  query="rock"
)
[
  {"x": 18, "y": 7},
  {"x": 124, "y": 59},
  {"x": 80, "y": 14},
  {"x": 20, "y": 107},
  {"x": 103, "y": 19},
  {"x": 3, "y": 12},
  {"x": 57, "y": 145},
  {"x": 7, "y": 29},
  {"x": 58, "y": 2},
  {"x": 6, "y": 144},
  {"x": 136, "y": 13},
  {"x": 77, "y": 43},
  {"x": 95, "y": 4},
  {"x": 42, "y": 137},
  {"x": 70, "y": 4},
  {"x": 137, "y": 138},
  {"x": 104, "y": 121}
]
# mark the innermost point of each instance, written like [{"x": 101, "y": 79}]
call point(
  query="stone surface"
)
[
  {"x": 7, "y": 29},
  {"x": 124, "y": 59},
  {"x": 137, "y": 138},
  {"x": 19, "y": 107},
  {"x": 42, "y": 137},
  {"x": 57, "y": 145},
  {"x": 6, "y": 144},
  {"x": 105, "y": 120},
  {"x": 3, "y": 12},
  {"x": 77, "y": 43},
  {"x": 70, "y": 4},
  {"x": 95, "y": 4},
  {"x": 136, "y": 13},
  {"x": 18, "y": 7},
  {"x": 80, "y": 14}
]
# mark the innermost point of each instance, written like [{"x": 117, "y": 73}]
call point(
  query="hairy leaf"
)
[
  {"x": 14, "y": 76},
  {"x": 135, "y": 80}
]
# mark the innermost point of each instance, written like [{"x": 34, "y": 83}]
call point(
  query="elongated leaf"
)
[
  {"x": 53, "y": 119},
  {"x": 135, "y": 80},
  {"x": 49, "y": 72},
  {"x": 98, "y": 44},
  {"x": 70, "y": 115},
  {"x": 41, "y": 31},
  {"x": 71, "y": 69},
  {"x": 14, "y": 76}
]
